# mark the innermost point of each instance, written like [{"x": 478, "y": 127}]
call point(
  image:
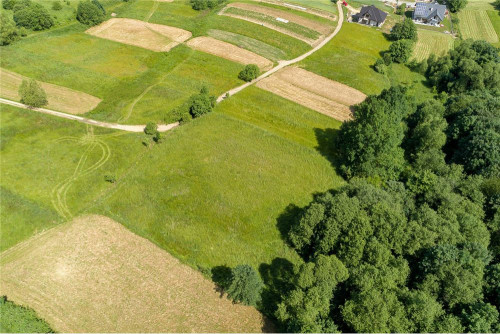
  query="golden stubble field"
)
[
  {"x": 93, "y": 275},
  {"x": 313, "y": 91}
]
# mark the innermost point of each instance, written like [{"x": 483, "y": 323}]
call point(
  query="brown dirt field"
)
[
  {"x": 59, "y": 98},
  {"x": 229, "y": 51},
  {"x": 319, "y": 27},
  {"x": 155, "y": 37},
  {"x": 93, "y": 275},
  {"x": 313, "y": 91}
]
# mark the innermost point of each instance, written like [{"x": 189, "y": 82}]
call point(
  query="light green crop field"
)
[
  {"x": 180, "y": 14},
  {"x": 325, "y": 5},
  {"x": 210, "y": 194},
  {"x": 494, "y": 16},
  {"x": 349, "y": 58},
  {"x": 476, "y": 24},
  {"x": 430, "y": 42}
]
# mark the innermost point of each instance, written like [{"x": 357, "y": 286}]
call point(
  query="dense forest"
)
[{"x": 412, "y": 242}]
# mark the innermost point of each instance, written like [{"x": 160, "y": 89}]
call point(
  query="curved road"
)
[
  {"x": 166, "y": 127},
  {"x": 129, "y": 128},
  {"x": 284, "y": 63}
]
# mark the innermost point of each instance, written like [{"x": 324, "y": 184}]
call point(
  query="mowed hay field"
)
[
  {"x": 59, "y": 98},
  {"x": 180, "y": 14},
  {"x": 431, "y": 42},
  {"x": 313, "y": 91},
  {"x": 229, "y": 51},
  {"x": 93, "y": 275},
  {"x": 155, "y": 37},
  {"x": 476, "y": 24}
]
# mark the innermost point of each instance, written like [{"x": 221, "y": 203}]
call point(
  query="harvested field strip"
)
[
  {"x": 291, "y": 29},
  {"x": 265, "y": 50},
  {"x": 314, "y": 11},
  {"x": 477, "y": 25},
  {"x": 229, "y": 51},
  {"x": 59, "y": 98},
  {"x": 93, "y": 275},
  {"x": 155, "y": 37},
  {"x": 313, "y": 91},
  {"x": 430, "y": 42},
  {"x": 321, "y": 28}
]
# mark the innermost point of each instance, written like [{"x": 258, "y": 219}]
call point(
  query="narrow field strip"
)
[
  {"x": 93, "y": 275},
  {"x": 313, "y": 91},
  {"x": 304, "y": 34},
  {"x": 430, "y": 42},
  {"x": 313, "y": 11},
  {"x": 276, "y": 13},
  {"x": 155, "y": 37},
  {"x": 476, "y": 24},
  {"x": 59, "y": 98},
  {"x": 229, "y": 51},
  {"x": 265, "y": 50}
]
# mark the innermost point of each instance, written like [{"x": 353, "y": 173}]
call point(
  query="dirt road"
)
[
  {"x": 284, "y": 63},
  {"x": 129, "y": 128}
]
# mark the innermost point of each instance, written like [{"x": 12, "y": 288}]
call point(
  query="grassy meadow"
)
[
  {"x": 210, "y": 194},
  {"x": 349, "y": 58},
  {"x": 430, "y": 42}
]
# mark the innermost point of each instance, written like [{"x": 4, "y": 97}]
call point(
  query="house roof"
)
[
  {"x": 429, "y": 10},
  {"x": 375, "y": 13}
]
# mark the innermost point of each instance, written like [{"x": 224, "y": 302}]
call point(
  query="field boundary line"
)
[
  {"x": 285, "y": 63},
  {"x": 115, "y": 126}
]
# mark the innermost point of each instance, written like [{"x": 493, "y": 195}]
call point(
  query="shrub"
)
[
  {"x": 380, "y": 66},
  {"x": 56, "y": 5},
  {"x": 202, "y": 103},
  {"x": 35, "y": 17},
  {"x": 32, "y": 94},
  {"x": 246, "y": 285},
  {"x": 8, "y": 30},
  {"x": 401, "y": 50},
  {"x": 205, "y": 4},
  {"x": 158, "y": 137},
  {"x": 21, "y": 4},
  {"x": 404, "y": 30},
  {"x": 151, "y": 128},
  {"x": 387, "y": 58},
  {"x": 110, "y": 178},
  {"x": 249, "y": 73},
  {"x": 8, "y": 4},
  {"x": 89, "y": 13},
  {"x": 401, "y": 9}
]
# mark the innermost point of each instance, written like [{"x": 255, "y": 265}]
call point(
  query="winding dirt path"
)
[
  {"x": 129, "y": 128},
  {"x": 284, "y": 63}
]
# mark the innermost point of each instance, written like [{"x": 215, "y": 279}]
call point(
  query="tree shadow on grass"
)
[
  {"x": 278, "y": 278},
  {"x": 327, "y": 145},
  {"x": 221, "y": 276}
]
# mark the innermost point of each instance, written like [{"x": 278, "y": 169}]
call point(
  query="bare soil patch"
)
[
  {"x": 311, "y": 24},
  {"x": 59, "y": 98},
  {"x": 229, "y": 51},
  {"x": 313, "y": 91},
  {"x": 155, "y": 37},
  {"x": 93, "y": 275}
]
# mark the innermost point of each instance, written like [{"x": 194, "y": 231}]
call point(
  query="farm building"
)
[
  {"x": 429, "y": 13},
  {"x": 370, "y": 15}
]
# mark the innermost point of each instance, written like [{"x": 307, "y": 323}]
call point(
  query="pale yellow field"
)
[
  {"x": 229, "y": 51},
  {"x": 313, "y": 91},
  {"x": 155, "y": 37},
  {"x": 59, "y": 98},
  {"x": 93, "y": 275}
]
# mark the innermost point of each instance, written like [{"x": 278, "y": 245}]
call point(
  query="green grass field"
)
[
  {"x": 349, "y": 58},
  {"x": 494, "y": 16},
  {"x": 211, "y": 194},
  {"x": 325, "y": 5},
  {"x": 430, "y": 42},
  {"x": 18, "y": 319},
  {"x": 476, "y": 24}
]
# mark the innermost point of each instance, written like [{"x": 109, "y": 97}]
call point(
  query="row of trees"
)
[
  {"x": 28, "y": 14},
  {"x": 90, "y": 12},
  {"x": 205, "y": 4},
  {"x": 412, "y": 242}
]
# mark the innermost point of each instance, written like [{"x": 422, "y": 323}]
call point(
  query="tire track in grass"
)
[{"x": 60, "y": 191}]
